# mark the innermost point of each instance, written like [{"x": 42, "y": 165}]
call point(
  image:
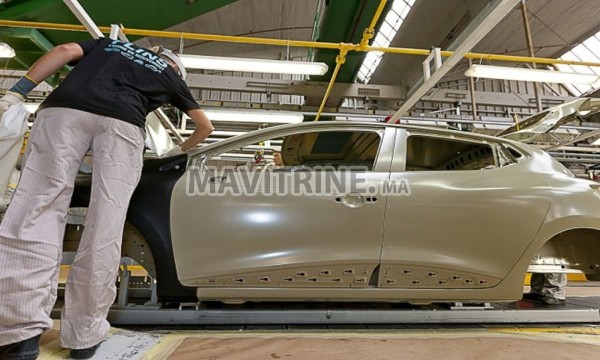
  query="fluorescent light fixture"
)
[
  {"x": 262, "y": 116},
  {"x": 521, "y": 74},
  {"x": 6, "y": 51},
  {"x": 253, "y": 65}
]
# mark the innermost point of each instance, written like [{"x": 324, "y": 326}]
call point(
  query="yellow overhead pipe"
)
[
  {"x": 370, "y": 31},
  {"x": 377, "y": 15},
  {"x": 339, "y": 61},
  {"x": 294, "y": 43},
  {"x": 341, "y": 58},
  {"x": 174, "y": 34}
]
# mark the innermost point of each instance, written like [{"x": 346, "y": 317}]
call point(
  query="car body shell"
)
[{"x": 464, "y": 235}]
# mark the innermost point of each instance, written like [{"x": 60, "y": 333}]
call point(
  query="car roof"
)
[{"x": 353, "y": 124}]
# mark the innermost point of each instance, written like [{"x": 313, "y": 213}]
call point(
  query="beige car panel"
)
[
  {"x": 462, "y": 235},
  {"x": 226, "y": 244},
  {"x": 462, "y": 228}
]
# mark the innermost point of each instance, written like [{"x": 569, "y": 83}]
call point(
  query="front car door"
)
[{"x": 260, "y": 227}]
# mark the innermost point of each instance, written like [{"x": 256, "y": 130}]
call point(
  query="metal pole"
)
[
  {"x": 125, "y": 278},
  {"x": 339, "y": 61},
  {"x": 538, "y": 100},
  {"x": 472, "y": 91},
  {"x": 84, "y": 18}
]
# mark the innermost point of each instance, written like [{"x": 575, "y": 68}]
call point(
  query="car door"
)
[
  {"x": 466, "y": 219},
  {"x": 284, "y": 236}
]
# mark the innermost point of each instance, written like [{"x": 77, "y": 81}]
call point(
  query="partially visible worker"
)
[
  {"x": 101, "y": 105},
  {"x": 548, "y": 288}
]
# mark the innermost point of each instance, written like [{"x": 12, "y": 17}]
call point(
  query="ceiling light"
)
[
  {"x": 6, "y": 51},
  {"x": 280, "y": 117},
  {"x": 253, "y": 65},
  {"x": 521, "y": 74}
]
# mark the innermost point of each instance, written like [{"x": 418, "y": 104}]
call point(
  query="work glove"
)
[
  {"x": 10, "y": 98},
  {"x": 173, "y": 152}
]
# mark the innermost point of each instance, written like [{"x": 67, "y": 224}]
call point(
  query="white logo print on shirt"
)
[{"x": 140, "y": 56}]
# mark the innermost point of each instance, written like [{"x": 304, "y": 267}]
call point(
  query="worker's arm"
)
[
  {"x": 40, "y": 71},
  {"x": 203, "y": 128},
  {"x": 54, "y": 60}
]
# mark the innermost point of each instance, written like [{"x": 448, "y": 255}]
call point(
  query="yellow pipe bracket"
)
[
  {"x": 370, "y": 31},
  {"x": 364, "y": 42}
]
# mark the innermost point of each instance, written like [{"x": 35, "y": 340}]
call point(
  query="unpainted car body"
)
[{"x": 478, "y": 213}]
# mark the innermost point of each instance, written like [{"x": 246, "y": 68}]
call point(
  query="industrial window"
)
[
  {"x": 438, "y": 154},
  {"x": 588, "y": 50},
  {"x": 389, "y": 28}
]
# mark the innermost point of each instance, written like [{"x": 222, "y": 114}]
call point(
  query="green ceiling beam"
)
[
  {"x": 140, "y": 14},
  {"x": 31, "y": 44},
  {"x": 345, "y": 21}
]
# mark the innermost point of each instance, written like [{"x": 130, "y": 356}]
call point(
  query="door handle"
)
[
  {"x": 351, "y": 200},
  {"x": 217, "y": 179}
]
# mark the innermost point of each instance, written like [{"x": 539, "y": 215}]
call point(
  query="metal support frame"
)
[
  {"x": 116, "y": 32},
  {"x": 84, "y": 18},
  {"x": 484, "y": 22},
  {"x": 467, "y": 306},
  {"x": 164, "y": 120},
  {"x": 581, "y": 137},
  {"x": 528, "y": 38},
  {"x": 489, "y": 98},
  {"x": 472, "y": 94},
  {"x": 124, "y": 279},
  {"x": 436, "y": 56},
  {"x": 576, "y": 311},
  {"x": 292, "y": 87}
]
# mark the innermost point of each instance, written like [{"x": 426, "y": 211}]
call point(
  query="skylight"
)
[
  {"x": 586, "y": 51},
  {"x": 390, "y": 26}
]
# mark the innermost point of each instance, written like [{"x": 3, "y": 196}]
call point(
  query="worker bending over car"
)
[{"x": 101, "y": 105}]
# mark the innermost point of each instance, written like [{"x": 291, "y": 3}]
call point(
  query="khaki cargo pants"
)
[
  {"x": 549, "y": 284},
  {"x": 32, "y": 231}
]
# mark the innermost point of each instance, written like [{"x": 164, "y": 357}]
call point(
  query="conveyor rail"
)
[{"x": 581, "y": 310}]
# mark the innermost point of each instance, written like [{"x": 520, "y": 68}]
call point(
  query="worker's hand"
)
[
  {"x": 173, "y": 152},
  {"x": 9, "y": 99}
]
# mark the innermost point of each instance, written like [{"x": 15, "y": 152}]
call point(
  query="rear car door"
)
[{"x": 470, "y": 213}]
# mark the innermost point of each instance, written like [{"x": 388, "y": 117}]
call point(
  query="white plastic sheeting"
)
[
  {"x": 12, "y": 129},
  {"x": 157, "y": 137}
]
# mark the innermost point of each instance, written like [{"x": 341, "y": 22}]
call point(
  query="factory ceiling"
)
[{"x": 556, "y": 25}]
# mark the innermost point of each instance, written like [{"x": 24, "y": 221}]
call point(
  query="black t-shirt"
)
[{"x": 120, "y": 80}]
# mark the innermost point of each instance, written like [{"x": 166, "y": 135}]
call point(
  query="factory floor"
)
[{"x": 348, "y": 342}]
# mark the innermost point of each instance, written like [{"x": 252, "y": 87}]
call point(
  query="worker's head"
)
[
  {"x": 172, "y": 59},
  {"x": 277, "y": 159}
]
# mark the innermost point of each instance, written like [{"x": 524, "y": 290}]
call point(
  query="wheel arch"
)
[{"x": 575, "y": 248}]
